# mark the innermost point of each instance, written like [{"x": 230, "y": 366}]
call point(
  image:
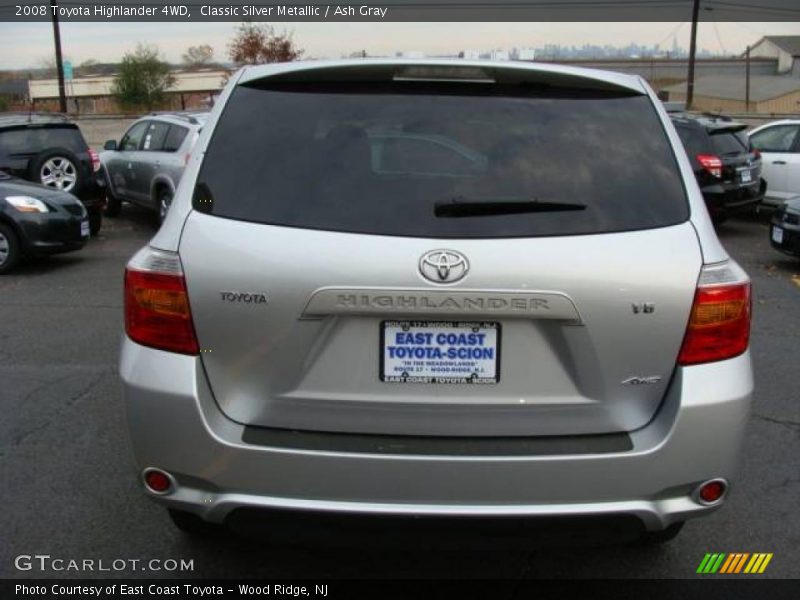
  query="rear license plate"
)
[
  {"x": 746, "y": 175},
  {"x": 84, "y": 228},
  {"x": 440, "y": 352},
  {"x": 777, "y": 235}
]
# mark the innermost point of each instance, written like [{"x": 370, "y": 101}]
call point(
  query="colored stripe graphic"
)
[{"x": 723, "y": 563}]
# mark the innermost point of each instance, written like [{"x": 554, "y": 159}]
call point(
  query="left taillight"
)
[
  {"x": 95, "y": 160},
  {"x": 711, "y": 163},
  {"x": 157, "y": 312},
  {"x": 719, "y": 324}
]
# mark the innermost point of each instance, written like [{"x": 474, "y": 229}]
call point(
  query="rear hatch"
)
[
  {"x": 741, "y": 166},
  {"x": 440, "y": 255}
]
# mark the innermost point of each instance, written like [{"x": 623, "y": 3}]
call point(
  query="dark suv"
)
[
  {"x": 726, "y": 165},
  {"x": 49, "y": 149}
]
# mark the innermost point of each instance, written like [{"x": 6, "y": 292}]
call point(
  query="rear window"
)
[
  {"x": 384, "y": 159},
  {"x": 729, "y": 143},
  {"x": 33, "y": 140}
]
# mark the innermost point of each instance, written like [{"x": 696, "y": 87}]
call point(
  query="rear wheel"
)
[
  {"x": 9, "y": 249},
  {"x": 194, "y": 525},
  {"x": 650, "y": 538},
  {"x": 164, "y": 202},
  {"x": 58, "y": 169}
]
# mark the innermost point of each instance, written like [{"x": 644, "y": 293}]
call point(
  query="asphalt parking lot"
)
[{"x": 71, "y": 490}]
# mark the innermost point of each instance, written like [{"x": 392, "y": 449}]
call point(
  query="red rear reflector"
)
[
  {"x": 95, "y": 159},
  {"x": 157, "y": 481},
  {"x": 711, "y": 163},
  {"x": 719, "y": 325},
  {"x": 157, "y": 311},
  {"x": 712, "y": 491}
]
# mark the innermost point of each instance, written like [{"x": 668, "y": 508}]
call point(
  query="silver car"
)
[
  {"x": 437, "y": 288},
  {"x": 146, "y": 166}
]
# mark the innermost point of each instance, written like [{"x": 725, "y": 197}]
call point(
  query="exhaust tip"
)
[
  {"x": 711, "y": 492},
  {"x": 158, "y": 481}
]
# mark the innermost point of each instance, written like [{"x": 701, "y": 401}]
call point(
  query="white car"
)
[{"x": 779, "y": 144}]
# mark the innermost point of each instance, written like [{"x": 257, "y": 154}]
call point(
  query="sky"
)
[{"x": 26, "y": 45}]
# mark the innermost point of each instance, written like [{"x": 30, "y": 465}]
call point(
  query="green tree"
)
[{"x": 142, "y": 80}]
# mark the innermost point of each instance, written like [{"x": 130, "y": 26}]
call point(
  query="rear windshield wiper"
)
[{"x": 464, "y": 207}]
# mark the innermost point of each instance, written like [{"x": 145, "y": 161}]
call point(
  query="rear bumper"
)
[{"x": 175, "y": 425}]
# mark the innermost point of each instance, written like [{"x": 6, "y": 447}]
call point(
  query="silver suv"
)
[
  {"x": 147, "y": 164},
  {"x": 437, "y": 288}
]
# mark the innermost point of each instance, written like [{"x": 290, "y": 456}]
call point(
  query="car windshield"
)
[{"x": 380, "y": 158}]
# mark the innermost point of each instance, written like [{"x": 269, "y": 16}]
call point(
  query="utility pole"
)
[
  {"x": 62, "y": 94},
  {"x": 747, "y": 80},
  {"x": 692, "y": 52}
]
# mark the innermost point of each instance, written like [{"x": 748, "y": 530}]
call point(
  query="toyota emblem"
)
[{"x": 443, "y": 266}]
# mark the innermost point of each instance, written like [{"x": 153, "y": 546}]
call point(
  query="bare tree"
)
[
  {"x": 258, "y": 43},
  {"x": 198, "y": 56}
]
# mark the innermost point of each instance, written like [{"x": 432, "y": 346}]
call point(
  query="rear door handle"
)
[{"x": 778, "y": 162}]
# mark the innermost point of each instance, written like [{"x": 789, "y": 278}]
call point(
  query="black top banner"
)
[{"x": 400, "y": 11}]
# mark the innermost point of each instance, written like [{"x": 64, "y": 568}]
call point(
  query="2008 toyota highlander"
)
[{"x": 437, "y": 288}]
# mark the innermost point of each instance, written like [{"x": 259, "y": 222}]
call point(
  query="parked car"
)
[
  {"x": 533, "y": 318},
  {"x": 784, "y": 234},
  {"x": 779, "y": 144},
  {"x": 36, "y": 220},
  {"x": 49, "y": 149},
  {"x": 727, "y": 167},
  {"x": 147, "y": 164}
]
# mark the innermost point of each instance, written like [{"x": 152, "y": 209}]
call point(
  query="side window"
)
[
  {"x": 175, "y": 138},
  {"x": 133, "y": 138},
  {"x": 775, "y": 139},
  {"x": 155, "y": 136},
  {"x": 15, "y": 141}
]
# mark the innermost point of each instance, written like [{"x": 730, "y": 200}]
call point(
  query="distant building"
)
[
  {"x": 786, "y": 48},
  {"x": 469, "y": 54},
  {"x": 526, "y": 54},
  {"x": 499, "y": 55},
  {"x": 13, "y": 94},
  {"x": 93, "y": 95},
  {"x": 768, "y": 94},
  {"x": 776, "y": 92}
]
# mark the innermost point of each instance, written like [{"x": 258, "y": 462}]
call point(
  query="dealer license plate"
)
[
  {"x": 440, "y": 352},
  {"x": 777, "y": 235},
  {"x": 84, "y": 228}
]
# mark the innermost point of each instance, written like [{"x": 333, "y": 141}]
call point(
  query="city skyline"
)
[{"x": 28, "y": 45}]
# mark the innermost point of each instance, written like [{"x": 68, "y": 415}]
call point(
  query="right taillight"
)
[
  {"x": 157, "y": 312},
  {"x": 711, "y": 163},
  {"x": 719, "y": 324}
]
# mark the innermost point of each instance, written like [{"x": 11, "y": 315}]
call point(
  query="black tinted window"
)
[
  {"x": 154, "y": 138},
  {"x": 33, "y": 140},
  {"x": 729, "y": 143},
  {"x": 380, "y": 159},
  {"x": 694, "y": 139},
  {"x": 175, "y": 138}
]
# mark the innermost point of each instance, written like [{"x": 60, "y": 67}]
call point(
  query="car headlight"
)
[{"x": 27, "y": 204}]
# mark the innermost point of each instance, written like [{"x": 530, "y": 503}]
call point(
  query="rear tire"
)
[
  {"x": 95, "y": 221},
  {"x": 58, "y": 169},
  {"x": 10, "y": 251},
  {"x": 164, "y": 203},
  {"x": 652, "y": 538},
  {"x": 193, "y": 525}
]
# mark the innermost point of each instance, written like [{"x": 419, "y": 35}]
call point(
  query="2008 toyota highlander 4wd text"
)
[{"x": 437, "y": 288}]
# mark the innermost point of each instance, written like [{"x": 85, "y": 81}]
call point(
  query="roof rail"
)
[
  {"x": 187, "y": 115},
  {"x": 31, "y": 113},
  {"x": 718, "y": 116}
]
